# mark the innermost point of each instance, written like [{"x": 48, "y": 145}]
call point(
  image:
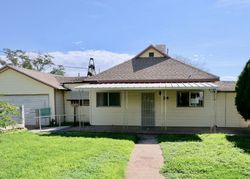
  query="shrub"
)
[{"x": 7, "y": 111}]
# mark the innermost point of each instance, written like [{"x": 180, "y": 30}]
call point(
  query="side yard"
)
[
  {"x": 64, "y": 155},
  {"x": 206, "y": 156}
]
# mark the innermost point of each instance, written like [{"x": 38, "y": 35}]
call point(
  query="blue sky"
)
[{"x": 212, "y": 33}]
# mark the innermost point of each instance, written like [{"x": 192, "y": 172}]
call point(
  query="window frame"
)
[
  {"x": 189, "y": 105},
  {"x": 79, "y": 102},
  {"x": 149, "y": 53},
  {"x": 108, "y": 105}
]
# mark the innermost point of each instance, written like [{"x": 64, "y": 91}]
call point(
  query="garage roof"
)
[{"x": 54, "y": 81}]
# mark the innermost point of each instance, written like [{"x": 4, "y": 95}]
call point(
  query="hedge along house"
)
[
  {"x": 153, "y": 89},
  {"x": 37, "y": 90}
]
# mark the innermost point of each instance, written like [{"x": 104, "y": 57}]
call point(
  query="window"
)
[
  {"x": 151, "y": 54},
  {"x": 190, "y": 99},
  {"x": 80, "y": 102},
  {"x": 108, "y": 99}
]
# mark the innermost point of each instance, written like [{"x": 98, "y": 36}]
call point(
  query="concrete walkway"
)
[
  {"x": 51, "y": 129},
  {"x": 146, "y": 159}
]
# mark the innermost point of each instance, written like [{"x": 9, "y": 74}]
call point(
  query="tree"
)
[
  {"x": 7, "y": 111},
  {"x": 59, "y": 70},
  {"x": 40, "y": 62},
  {"x": 242, "y": 99},
  {"x": 17, "y": 58}
]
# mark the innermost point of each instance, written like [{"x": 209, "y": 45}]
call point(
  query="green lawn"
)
[
  {"x": 206, "y": 156},
  {"x": 71, "y": 155}
]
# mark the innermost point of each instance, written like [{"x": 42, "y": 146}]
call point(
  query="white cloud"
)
[
  {"x": 103, "y": 60},
  {"x": 229, "y": 78}
]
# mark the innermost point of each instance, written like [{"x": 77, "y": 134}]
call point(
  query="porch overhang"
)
[{"x": 148, "y": 86}]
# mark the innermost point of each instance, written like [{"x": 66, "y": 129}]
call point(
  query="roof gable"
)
[
  {"x": 151, "y": 49},
  {"x": 159, "y": 69},
  {"x": 47, "y": 79}
]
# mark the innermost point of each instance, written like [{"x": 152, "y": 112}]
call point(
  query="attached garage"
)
[
  {"x": 31, "y": 103},
  {"x": 34, "y": 90}
]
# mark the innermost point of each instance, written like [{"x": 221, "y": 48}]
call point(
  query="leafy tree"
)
[
  {"x": 59, "y": 70},
  {"x": 7, "y": 111},
  {"x": 242, "y": 99},
  {"x": 17, "y": 58},
  {"x": 41, "y": 62}
]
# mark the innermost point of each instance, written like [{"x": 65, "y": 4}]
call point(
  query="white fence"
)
[{"x": 59, "y": 120}]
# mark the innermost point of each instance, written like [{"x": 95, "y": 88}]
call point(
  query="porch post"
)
[
  {"x": 22, "y": 116},
  {"x": 165, "y": 109}
]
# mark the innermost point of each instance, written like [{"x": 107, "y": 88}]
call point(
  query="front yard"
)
[
  {"x": 89, "y": 155},
  {"x": 206, "y": 156},
  {"x": 71, "y": 155}
]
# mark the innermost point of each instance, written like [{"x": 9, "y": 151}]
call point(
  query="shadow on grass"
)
[
  {"x": 179, "y": 138},
  {"x": 240, "y": 141},
  {"x": 92, "y": 135}
]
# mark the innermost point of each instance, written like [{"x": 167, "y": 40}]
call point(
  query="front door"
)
[{"x": 148, "y": 109}]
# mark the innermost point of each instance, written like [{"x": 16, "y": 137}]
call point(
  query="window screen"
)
[
  {"x": 183, "y": 99},
  {"x": 108, "y": 99},
  {"x": 190, "y": 99},
  {"x": 102, "y": 99},
  {"x": 114, "y": 99}
]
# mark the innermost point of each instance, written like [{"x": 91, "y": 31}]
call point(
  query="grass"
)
[
  {"x": 64, "y": 155},
  {"x": 206, "y": 156}
]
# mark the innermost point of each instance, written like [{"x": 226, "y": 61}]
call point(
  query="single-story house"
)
[
  {"x": 151, "y": 89},
  {"x": 154, "y": 89}
]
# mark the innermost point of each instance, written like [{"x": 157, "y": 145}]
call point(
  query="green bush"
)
[
  {"x": 242, "y": 99},
  {"x": 7, "y": 111}
]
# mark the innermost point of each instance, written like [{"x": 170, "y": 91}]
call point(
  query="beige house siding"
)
[
  {"x": 166, "y": 111},
  {"x": 59, "y": 101},
  {"x": 226, "y": 112},
  {"x": 14, "y": 83},
  {"x": 156, "y": 53},
  {"x": 82, "y": 111}
]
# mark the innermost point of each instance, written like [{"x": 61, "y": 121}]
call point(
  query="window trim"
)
[
  {"x": 151, "y": 53},
  {"x": 118, "y": 106},
  {"x": 190, "y": 91},
  {"x": 79, "y": 102}
]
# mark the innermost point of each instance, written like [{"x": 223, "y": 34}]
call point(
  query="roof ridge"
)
[{"x": 195, "y": 67}]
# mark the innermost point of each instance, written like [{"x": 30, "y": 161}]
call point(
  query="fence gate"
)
[{"x": 148, "y": 109}]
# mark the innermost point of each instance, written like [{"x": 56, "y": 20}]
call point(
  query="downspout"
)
[
  {"x": 161, "y": 97},
  {"x": 225, "y": 110},
  {"x": 215, "y": 116}
]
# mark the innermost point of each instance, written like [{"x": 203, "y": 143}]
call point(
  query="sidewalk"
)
[{"x": 146, "y": 159}]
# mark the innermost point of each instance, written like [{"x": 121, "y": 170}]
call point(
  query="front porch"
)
[{"x": 158, "y": 130}]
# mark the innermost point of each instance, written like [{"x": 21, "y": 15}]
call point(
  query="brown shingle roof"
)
[
  {"x": 227, "y": 86},
  {"x": 54, "y": 81},
  {"x": 164, "y": 69}
]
